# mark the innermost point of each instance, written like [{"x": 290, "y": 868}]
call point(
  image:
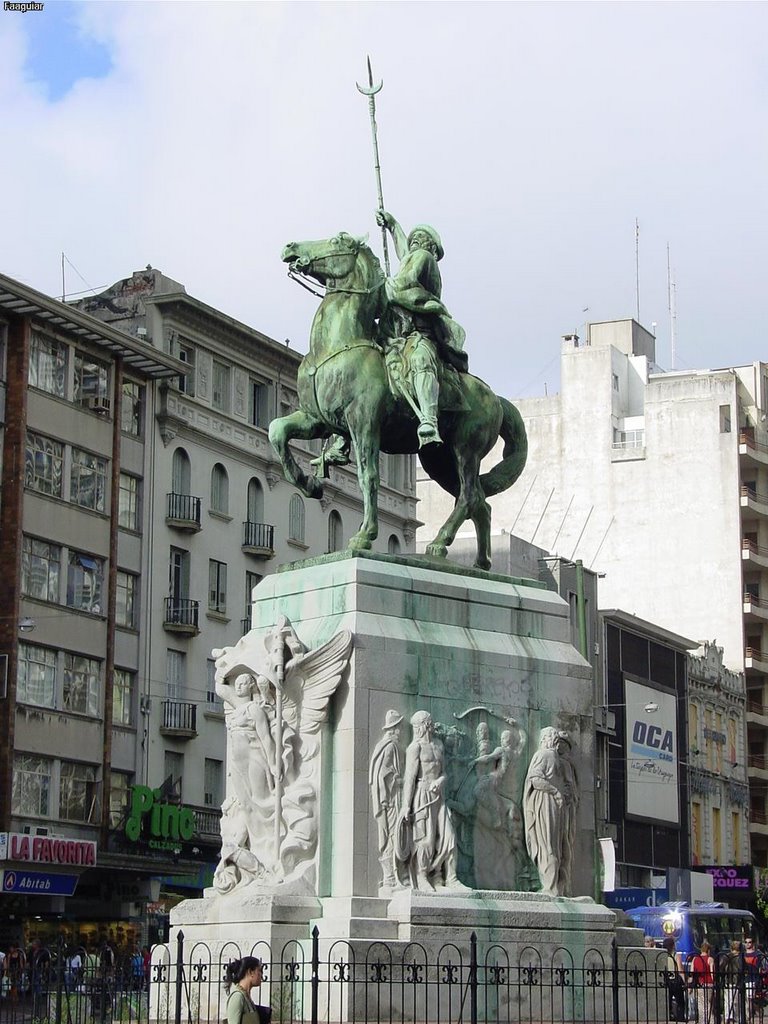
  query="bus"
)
[{"x": 689, "y": 925}]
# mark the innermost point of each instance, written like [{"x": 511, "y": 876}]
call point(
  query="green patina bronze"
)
[{"x": 386, "y": 372}]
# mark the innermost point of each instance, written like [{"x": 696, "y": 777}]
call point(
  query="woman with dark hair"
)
[
  {"x": 675, "y": 982},
  {"x": 244, "y": 975}
]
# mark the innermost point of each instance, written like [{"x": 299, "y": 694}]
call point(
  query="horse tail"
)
[{"x": 512, "y": 432}]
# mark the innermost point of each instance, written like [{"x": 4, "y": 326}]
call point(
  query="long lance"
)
[{"x": 370, "y": 91}]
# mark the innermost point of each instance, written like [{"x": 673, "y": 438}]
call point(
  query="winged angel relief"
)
[{"x": 276, "y": 695}]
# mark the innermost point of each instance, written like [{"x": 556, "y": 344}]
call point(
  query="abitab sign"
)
[{"x": 651, "y": 751}]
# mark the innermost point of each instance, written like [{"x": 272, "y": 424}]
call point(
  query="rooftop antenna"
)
[
  {"x": 637, "y": 266},
  {"x": 63, "y": 288},
  {"x": 672, "y": 311}
]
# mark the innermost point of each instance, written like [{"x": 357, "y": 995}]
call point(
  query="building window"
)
[
  {"x": 91, "y": 382},
  {"x": 77, "y": 792},
  {"x": 186, "y": 354},
  {"x": 217, "y": 586},
  {"x": 296, "y": 519},
  {"x": 255, "y": 507},
  {"x": 212, "y": 699},
  {"x": 126, "y": 604},
  {"x": 174, "y": 770},
  {"x": 393, "y": 545},
  {"x": 40, "y": 569},
  {"x": 81, "y": 685},
  {"x": 88, "y": 480},
  {"x": 175, "y": 674},
  {"x": 178, "y": 583},
  {"x": 48, "y": 365},
  {"x": 119, "y": 797},
  {"x": 36, "y": 676},
  {"x": 85, "y": 581},
  {"x": 615, "y": 381},
  {"x": 219, "y": 490},
  {"x": 335, "y": 533},
  {"x": 31, "y": 795},
  {"x": 180, "y": 472},
  {"x": 132, "y": 409},
  {"x": 43, "y": 463},
  {"x": 258, "y": 403},
  {"x": 212, "y": 778},
  {"x": 220, "y": 381},
  {"x": 725, "y": 419},
  {"x": 122, "y": 696},
  {"x": 128, "y": 503}
]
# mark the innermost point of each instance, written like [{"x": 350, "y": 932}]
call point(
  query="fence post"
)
[
  {"x": 473, "y": 978},
  {"x": 615, "y": 980},
  {"x": 59, "y": 978},
  {"x": 315, "y": 979},
  {"x": 179, "y": 974}
]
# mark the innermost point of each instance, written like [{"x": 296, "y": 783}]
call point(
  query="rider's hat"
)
[
  {"x": 428, "y": 230},
  {"x": 391, "y": 719}
]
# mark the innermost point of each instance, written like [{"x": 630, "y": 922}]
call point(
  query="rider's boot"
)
[
  {"x": 334, "y": 454},
  {"x": 427, "y": 391}
]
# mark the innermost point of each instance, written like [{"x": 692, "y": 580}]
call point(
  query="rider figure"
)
[{"x": 417, "y": 329}]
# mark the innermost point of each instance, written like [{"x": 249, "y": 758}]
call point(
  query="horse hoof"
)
[
  {"x": 359, "y": 544},
  {"x": 482, "y": 563},
  {"x": 437, "y": 550},
  {"x": 314, "y": 487}
]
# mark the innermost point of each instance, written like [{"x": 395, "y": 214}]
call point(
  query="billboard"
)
[{"x": 652, "y": 754}]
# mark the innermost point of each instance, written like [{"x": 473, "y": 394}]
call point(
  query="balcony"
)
[
  {"x": 754, "y": 501},
  {"x": 207, "y": 821},
  {"x": 259, "y": 539},
  {"x": 755, "y": 556},
  {"x": 179, "y": 719},
  {"x": 181, "y": 615},
  {"x": 752, "y": 450},
  {"x": 183, "y": 512},
  {"x": 755, "y": 607},
  {"x": 758, "y": 822},
  {"x": 246, "y": 625},
  {"x": 757, "y": 712}
]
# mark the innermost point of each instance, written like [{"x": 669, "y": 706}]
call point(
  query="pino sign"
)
[{"x": 162, "y": 821}]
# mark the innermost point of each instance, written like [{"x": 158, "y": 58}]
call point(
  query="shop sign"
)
[
  {"x": 37, "y": 883},
  {"x": 163, "y": 824},
  {"x": 729, "y": 880},
  {"x": 47, "y": 850}
]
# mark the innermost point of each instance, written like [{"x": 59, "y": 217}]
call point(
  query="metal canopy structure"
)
[{"x": 22, "y": 300}]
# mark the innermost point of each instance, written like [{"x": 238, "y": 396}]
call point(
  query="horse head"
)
[{"x": 343, "y": 260}]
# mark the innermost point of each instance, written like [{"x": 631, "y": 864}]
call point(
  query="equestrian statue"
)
[{"x": 386, "y": 372}]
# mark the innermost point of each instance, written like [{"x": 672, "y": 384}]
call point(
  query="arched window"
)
[
  {"x": 255, "y": 509},
  {"x": 393, "y": 545},
  {"x": 219, "y": 489},
  {"x": 335, "y": 534},
  {"x": 181, "y": 473},
  {"x": 296, "y": 519}
]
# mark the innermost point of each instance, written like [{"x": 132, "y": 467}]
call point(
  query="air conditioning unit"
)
[{"x": 98, "y": 404}]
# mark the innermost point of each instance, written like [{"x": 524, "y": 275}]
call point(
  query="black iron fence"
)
[{"x": 320, "y": 982}]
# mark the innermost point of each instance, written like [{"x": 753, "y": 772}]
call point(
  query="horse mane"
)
[{"x": 373, "y": 264}]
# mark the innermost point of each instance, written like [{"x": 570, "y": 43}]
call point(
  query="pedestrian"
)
[
  {"x": 146, "y": 957},
  {"x": 754, "y": 968},
  {"x": 649, "y": 942},
  {"x": 675, "y": 983},
  {"x": 702, "y": 981},
  {"x": 733, "y": 983},
  {"x": 15, "y": 966},
  {"x": 243, "y": 975}
]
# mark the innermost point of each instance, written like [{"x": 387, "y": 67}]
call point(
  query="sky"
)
[{"x": 201, "y": 137}]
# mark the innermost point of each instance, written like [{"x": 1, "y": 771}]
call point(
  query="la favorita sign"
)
[{"x": 47, "y": 850}]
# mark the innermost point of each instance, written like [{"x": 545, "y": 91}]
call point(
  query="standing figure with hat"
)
[
  {"x": 417, "y": 330},
  {"x": 384, "y": 780}
]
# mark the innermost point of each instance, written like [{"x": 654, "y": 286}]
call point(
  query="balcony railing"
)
[
  {"x": 179, "y": 718},
  {"x": 755, "y": 601},
  {"x": 207, "y": 821},
  {"x": 747, "y": 437},
  {"x": 183, "y": 511},
  {"x": 753, "y": 653},
  {"x": 758, "y": 817},
  {"x": 756, "y": 707},
  {"x": 245, "y": 625},
  {"x": 753, "y": 495},
  {"x": 259, "y": 538},
  {"x": 753, "y": 548},
  {"x": 757, "y": 761},
  {"x": 181, "y": 615}
]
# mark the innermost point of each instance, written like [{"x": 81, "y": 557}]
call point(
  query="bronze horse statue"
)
[{"x": 343, "y": 389}]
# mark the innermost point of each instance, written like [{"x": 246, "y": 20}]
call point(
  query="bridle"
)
[{"x": 303, "y": 279}]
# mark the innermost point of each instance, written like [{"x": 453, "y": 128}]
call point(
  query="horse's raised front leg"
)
[{"x": 297, "y": 424}]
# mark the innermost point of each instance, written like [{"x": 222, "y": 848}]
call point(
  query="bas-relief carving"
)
[
  {"x": 550, "y": 803},
  {"x": 276, "y": 695},
  {"x": 385, "y": 782},
  {"x": 204, "y": 368}
]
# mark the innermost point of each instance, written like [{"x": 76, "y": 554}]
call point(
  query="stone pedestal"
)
[{"x": 469, "y": 648}]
